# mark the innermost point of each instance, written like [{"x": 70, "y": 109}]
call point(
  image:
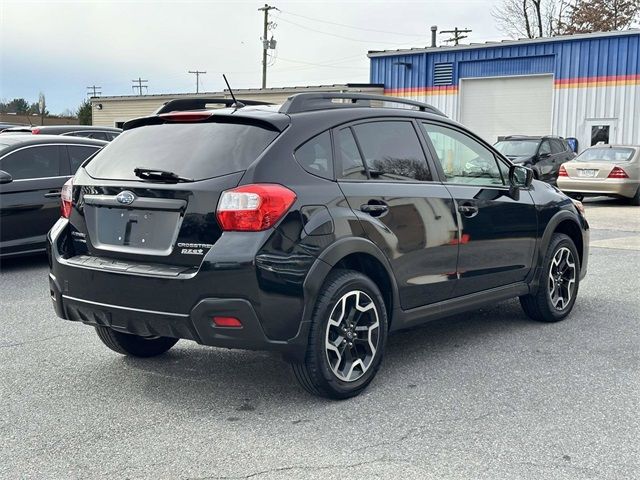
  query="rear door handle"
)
[
  {"x": 52, "y": 194},
  {"x": 468, "y": 209},
  {"x": 374, "y": 209}
]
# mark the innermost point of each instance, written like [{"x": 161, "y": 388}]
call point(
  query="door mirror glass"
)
[
  {"x": 520, "y": 176},
  {"x": 5, "y": 177}
]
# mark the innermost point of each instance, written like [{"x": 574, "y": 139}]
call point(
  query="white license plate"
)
[{"x": 585, "y": 172}]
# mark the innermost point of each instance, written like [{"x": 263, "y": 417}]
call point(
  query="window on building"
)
[{"x": 599, "y": 133}]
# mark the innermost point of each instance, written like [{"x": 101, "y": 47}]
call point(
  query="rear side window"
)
[
  {"x": 315, "y": 156},
  {"x": 33, "y": 162},
  {"x": 192, "y": 150},
  {"x": 392, "y": 151},
  {"x": 78, "y": 154},
  {"x": 347, "y": 149}
]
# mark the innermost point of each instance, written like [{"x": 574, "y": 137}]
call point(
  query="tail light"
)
[
  {"x": 562, "y": 172},
  {"x": 255, "y": 207},
  {"x": 617, "y": 172},
  {"x": 66, "y": 198},
  {"x": 35, "y": 131}
]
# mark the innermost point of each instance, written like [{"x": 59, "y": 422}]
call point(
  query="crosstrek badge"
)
[{"x": 193, "y": 248}]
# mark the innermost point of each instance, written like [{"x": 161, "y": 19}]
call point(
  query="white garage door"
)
[{"x": 493, "y": 107}]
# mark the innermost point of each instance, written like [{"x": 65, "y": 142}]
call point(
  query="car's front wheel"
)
[
  {"x": 558, "y": 288},
  {"x": 347, "y": 338},
  {"x": 134, "y": 345}
]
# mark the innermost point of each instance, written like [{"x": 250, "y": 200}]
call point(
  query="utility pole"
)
[
  {"x": 96, "y": 91},
  {"x": 266, "y": 43},
  {"x": 140, "y": 85},
  {"x": 197, "y": 73},
  {"x": 457, "y": 35}
]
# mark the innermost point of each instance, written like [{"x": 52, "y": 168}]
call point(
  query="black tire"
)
[
  {"x": 635, "y": 200},
  {"x": 540, "y": 306},
  {"x": 315, "y": 373},
  {"x": 134, "y": 345}
]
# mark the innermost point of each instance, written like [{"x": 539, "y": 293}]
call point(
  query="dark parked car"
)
[
  {"x": 313, "y": 228},
  {"x": 33, "y": 170},
  {"x": 543, "y": 155},
  {"x": 87, "y": 131}
]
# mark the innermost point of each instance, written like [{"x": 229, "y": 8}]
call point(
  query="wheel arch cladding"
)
[
  {"x": 375, "y": 270},
  {"x": 571, "y": 229}
]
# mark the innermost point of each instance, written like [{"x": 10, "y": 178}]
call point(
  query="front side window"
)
[
  {"x": 33, "y": 162},
  {"x": 392, "y": 151},
  {"x": 463, "y": 159},
  {"x": 556, "y": 146},
  {"x": 315, "y": 156},
  {"x": 545, "y": 148}
]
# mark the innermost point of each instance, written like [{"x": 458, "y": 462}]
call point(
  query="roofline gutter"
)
[{"x": 504, "y": 43}]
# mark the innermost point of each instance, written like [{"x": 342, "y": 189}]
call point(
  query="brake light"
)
[
  {"x": 255, "y": 207},
  {"x": 35, "y": 131},
  {"x": 562, "y": 172},
  {"x": 66, "y": 198},
  {"x": 617, "y": 172},
  {"x": 186, "y": 116}
]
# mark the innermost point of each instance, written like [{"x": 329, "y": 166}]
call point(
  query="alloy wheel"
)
[
  {"x": 562, "y": 278},
  {"x": 352, "y": 336}
]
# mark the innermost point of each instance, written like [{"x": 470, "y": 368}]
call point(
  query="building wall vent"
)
[{"x": 443, "y": 74}]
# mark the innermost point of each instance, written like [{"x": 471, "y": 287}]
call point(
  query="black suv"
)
[
  {"x": 313, "y": 228},
  {"x": 543, "y": 155}
]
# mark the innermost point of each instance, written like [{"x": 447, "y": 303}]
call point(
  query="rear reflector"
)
[
  {"x": 185, "y": 116},
  {"x": 617, "y": 172},
  {"x": 228, "y": 322},
  {"x": 562, "y": 172},
  {"x": 66, "y": 198},
  {"x": 255, "y": 207}
]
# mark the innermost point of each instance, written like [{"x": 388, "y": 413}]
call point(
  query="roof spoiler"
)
[{"x": 200, "y": 103}]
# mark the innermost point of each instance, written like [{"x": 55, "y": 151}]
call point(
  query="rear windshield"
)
[
  {"x": 193, "y": 150},
  {"x": 517, "y": 148},
  {"x": 606, "y": 154}
]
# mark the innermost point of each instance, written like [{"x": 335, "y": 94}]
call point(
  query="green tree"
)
[
  {"x": 18, "y": 105},
  {"x": 84, "y": 113}
]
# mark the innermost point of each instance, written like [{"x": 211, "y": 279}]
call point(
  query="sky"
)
[{"x": 61, "y": 47}]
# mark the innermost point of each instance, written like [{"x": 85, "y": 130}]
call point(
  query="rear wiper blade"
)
[{"x": 160, "y": 175}]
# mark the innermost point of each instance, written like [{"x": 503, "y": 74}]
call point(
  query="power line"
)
[
  {"x": 343, "y": 37},
  {"x": 197, "y": 74},
  {"x": 95, "y": 89},
  {"x": 457, "y": 35},
  {"x": 350, "y": 26},
  {"x": 140, "y": 85}
]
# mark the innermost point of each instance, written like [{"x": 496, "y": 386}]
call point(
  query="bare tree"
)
[
  {"x": 585, "y": 16},
  {"x": 534, "y": 18}
]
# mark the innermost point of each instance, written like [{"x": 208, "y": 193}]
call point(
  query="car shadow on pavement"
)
[
  {"x": 27, "y": 262},
  {"x": 192, "y": 375}
]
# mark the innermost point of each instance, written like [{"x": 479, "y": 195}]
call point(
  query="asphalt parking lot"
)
[{"x": 486, "y": 395}]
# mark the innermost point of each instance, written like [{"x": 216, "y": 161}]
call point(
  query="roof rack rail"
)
[
  {"x": 307, "y": 102},
  {"x": 200, "y": 103}
]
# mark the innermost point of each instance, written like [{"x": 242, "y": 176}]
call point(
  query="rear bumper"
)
[
  {"x": 612, "y": 186},
  {"x": 178, "y": 306}
]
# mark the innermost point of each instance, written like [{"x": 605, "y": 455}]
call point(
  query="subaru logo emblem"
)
[{"x": 126, "y": 197}]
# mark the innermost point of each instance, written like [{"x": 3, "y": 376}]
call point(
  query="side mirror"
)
[
  {"x": 5, "y": 177},
  {"x": 520, "y": 176}
]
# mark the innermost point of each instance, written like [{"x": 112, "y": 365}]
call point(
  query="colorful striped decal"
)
[
  {"x": 610, "y": 81},
  {"x": 414, "y": 91},
  {"x": 581, "y": 82}
]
